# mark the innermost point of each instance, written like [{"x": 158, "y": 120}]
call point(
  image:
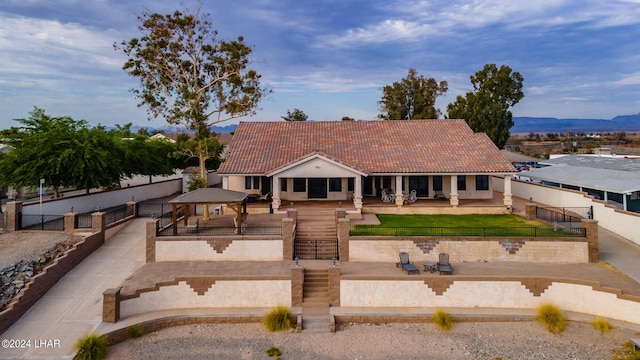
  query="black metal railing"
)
[
  {"x": 376, "y": 230},
  {"x": 42, "y": 222},
  {"x": 218, "y": 231},
  {"x": 117, "y": 213},
  {"x": 160, "y": 211},
  {"x": 83, "y": 221},
  {"x": 565, "y": 217},
  {"x": 316, "y": 249}
]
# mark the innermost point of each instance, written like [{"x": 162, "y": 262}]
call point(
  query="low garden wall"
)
[
  {"x": 470, "y": 249},
  {"x": 502, "y": 293},
  {"x": 218, "y": 249},
  {"x": 47, "y": 278},
  {"x": 202, "y": 292}
]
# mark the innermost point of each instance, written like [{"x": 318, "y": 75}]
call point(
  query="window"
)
[
  {"x": 335, "y": 184},
  {"x": 420, "y": 184},
  {"x": 462, "y": 182},
  {"x": 299, "y": 185},
  {"x": 247, "y": 182},
  {"x": 256, "y": 182},
  {"x": 437, "y": 183},
  {"x": 482, "y": 182},
  {"x": 283, "y": 184}
]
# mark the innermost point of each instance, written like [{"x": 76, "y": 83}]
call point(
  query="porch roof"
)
[
  {"x": 392, "y": 147},
  {"x": 210, "y": 196}
]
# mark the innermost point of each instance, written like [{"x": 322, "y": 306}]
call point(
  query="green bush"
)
[
  {"x": 92, "y": 347},
  {"x": 552, "y": 318},
  {"x": 278, "y": 319},
  {"x": 274, "y": 352},
  {"x": 442, "y": 320},
  {"x": 601, "y": 324},
  {"x": 135, "y": 331}
]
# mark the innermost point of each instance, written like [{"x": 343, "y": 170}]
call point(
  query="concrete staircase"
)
[
  {"x": 316, "y": 225},
  {"x": 315, "y": 301}
]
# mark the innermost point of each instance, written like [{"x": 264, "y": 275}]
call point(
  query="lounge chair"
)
[
  {"x": 444, "y": 266},
  {"x": 406, "y": 264},
  {"x": 265, "y": 197}
]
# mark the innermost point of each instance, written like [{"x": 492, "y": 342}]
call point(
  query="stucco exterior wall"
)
[
  {"x": 201, "y": 250},
  {"x": 492, "y": 294},
  {"x": 470, "y": 250},
  {"x": 623, "y": 223},
  {"x": 234, "y": 294}
]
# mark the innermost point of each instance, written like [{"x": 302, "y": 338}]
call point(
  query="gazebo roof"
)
[{"x": 210, "y": 196}]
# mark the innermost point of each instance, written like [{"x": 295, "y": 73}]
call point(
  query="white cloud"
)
[{"x": 631, "y": 79}]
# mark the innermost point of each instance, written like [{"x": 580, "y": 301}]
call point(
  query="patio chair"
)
[
  {"x": 413, "y": 196},
  {"x": 406, "y": 264},
  {"x": 444, "y": 266},
  {"x": 265, "y": 197},
  {"x": 243, "y": 223},
  {"x": 386, "y": 197}
]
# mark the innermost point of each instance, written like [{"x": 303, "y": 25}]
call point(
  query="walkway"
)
[{"x": 73, "y": 307}]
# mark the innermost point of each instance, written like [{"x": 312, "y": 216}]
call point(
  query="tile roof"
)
[{"x": 373, "y": 147}]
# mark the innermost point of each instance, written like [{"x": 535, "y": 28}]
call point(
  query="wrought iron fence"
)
[
  {"x": 376, "y": 230},
  {"x": 83, "y": 221},
  {"x": 565, "y": 217},
  {"x": 218, "y": 231},
  {"x": 160, "y": 211},
  {"x": 42, "y": 222},
  {"x": 316, "y": 249},
  {"x": 118, "y": 213}
]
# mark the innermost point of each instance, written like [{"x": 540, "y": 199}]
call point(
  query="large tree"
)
[
  {"x": 189, "y": 76},
  {"x": 414, "y": 97},
  {"x": 486, "y": 109}
]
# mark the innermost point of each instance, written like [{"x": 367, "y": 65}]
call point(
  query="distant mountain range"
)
[
  {"x": 626, "y": 123},
  {"x": 523, "y": 125}
]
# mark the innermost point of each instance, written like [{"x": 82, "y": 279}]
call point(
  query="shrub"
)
[
  {"x": 274, "y": 352},
  {"x": 135, "y": 331},
  {"x": 625, "y": 352},
  {"x": 443, "y": 320},
  {"x": 551, "y": 317},
  {"x": 92, "y": 347},
  {"x": 278, "y": 319},
  {"x": 601, "y": 324}
]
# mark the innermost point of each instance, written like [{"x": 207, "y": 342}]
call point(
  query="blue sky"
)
[{"x": 330, "y": 58}]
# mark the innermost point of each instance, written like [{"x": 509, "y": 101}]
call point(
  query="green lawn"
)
[
  {"x": 457, "y": 225},
  {"x": 458, "y": 221}
]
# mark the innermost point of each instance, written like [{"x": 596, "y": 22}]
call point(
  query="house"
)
[{"x": 349, "y": 160}]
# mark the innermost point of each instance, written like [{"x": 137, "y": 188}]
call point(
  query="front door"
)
[
  {"x": 266, "y": 185},
  {"x": 317, "y": 188}
]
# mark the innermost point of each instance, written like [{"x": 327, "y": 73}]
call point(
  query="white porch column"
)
[
  {"x": 508, "y": 202},
  {"x": 453, "y": 200},
  {"x": 399, "y": 190},
  {"x": 624, "y": 202},
  {"x": 357, "y": 193},
  {"x": 275, "y": 198}
]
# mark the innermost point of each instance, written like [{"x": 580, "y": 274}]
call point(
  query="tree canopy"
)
[
  {"x": 189, "y": 76},
  {"x": 486, "y": 109},
  {"x": 414, "y": 97},
  {"x": 68, "y": 153},
  {"x": 295, "y": 115}
]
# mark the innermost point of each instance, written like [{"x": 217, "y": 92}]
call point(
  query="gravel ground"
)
[
  {"x": 505, "y": 340},
  {"x": 27, "y": 245}
]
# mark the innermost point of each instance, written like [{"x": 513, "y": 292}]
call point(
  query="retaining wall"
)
[{"x": 218, "y": 249}]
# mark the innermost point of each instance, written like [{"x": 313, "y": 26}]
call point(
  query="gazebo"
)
[{"x": 209, "y": 196}]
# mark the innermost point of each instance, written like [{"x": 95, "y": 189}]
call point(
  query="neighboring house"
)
[
  {"x": 348, "y": 160},
  {"x": 224, "y": 139},
  {"x": 613, "y": 179}
]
